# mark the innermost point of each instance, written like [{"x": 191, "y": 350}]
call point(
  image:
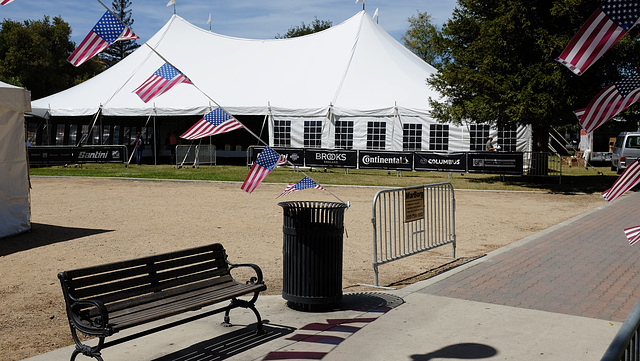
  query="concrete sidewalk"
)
[{"x": 558, "y": 295}]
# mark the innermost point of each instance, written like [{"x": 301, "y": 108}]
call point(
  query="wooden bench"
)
[{"x": 105, "y": 299}]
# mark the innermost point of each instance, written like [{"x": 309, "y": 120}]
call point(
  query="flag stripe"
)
[
  {"x": 629, "y": 178},
  {"x": 633, "y": 234},
  {"x": 204, "y": 128},
  {"x": 608, "y": 103},
  {"x": 5, "y": 2},
  {"x": 91, "y": 45}
]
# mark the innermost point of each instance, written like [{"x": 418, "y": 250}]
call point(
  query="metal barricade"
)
[
  {"x": 195, "y": 155},
  {"x": 543, "y": 164},
  {"x": 626, "y": 344},
  {"x": 410, "y": 220}
]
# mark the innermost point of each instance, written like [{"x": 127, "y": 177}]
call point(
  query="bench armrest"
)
[
  {"x": 256, "y": 269},
  {"x": 79, "y": 315}
]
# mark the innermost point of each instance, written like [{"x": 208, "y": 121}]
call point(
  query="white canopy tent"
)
[
  {"x": 15, "y": 212},
  {"x": 353, "y": 71}
]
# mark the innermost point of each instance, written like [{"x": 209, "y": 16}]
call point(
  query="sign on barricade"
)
[
  {"x": 385, "y": 160},
  {"x": 57, "y": 155},
  {"x": 495, "y": 162},
  {"x": 440, "y": 162},
  {"x": 334, "y": 158}
]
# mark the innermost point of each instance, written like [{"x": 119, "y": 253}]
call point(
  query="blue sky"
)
[{"x": 256, "y": 19}]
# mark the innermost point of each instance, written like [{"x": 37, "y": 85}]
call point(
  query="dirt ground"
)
[{"x": 80, "y": 222}]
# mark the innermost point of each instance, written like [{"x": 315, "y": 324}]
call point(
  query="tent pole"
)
[{"x": 155, "y": 140}]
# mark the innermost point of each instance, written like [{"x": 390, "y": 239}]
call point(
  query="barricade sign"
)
[
  {"x": 293, "y": 155},
  {"x": 440, "y": 162},
  {"x": 50, "y": 155},
  {"x": 57, "y": 155},
  {"x": 101, "y": 154},
  {"x": 385, "y": 160}
]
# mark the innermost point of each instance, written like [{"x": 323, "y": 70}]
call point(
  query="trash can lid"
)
[{"x": 312, "y": 205}]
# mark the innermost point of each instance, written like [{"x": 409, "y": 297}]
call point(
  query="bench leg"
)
[
  {"x": 86, "y": 349},
  {"x": 244, "y": 304}
]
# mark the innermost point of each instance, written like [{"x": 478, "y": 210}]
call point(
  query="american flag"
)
[
  {"x": 5, "y": 2},
  {"x": 610, "y": 101},
  {"x": 107, "y": 31},
  {"x": 159, "y": 82},
  {"x": 633, "y": 234},
  {"x": 305, "y": 183},
  {"x": 629, "y": 179},
  {"x": 604, "y": 28},
  {"x": 215, "y": 122},
  {"x": 267, "y": 160}
]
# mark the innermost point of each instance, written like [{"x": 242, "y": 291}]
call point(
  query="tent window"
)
[
  {"x": 60, "y": 134},
  {"x": 127, "y": 138},
  {"x": 439, "y": 137},
  {"x": 376, "y": 135},
  {"x": 85, "y": 133},
  {"x": 507, "y": 138},
  {"x": 312, "y": 134},
  {"x": 116, "y": 134},
  {"x": 73, "y": 134},
  {"x": 412, "y": 137},
  {"x": 344, "y": 134},
  {"x": 106, "y": 130},
  {"x": 477, "y": 134},
  {"x": 282, "y": 133},
  {"x": 32, "y": 132}
]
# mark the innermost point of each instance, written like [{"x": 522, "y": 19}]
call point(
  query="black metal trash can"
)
[{"x": 312, "y": 254}]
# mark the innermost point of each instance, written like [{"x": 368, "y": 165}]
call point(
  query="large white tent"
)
[
  {"x": 354, "y": 72},
  {"x": 15, "y": 212}
]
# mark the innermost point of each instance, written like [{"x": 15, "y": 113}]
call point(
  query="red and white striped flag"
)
[
  {"x": 267, "y": 161},
  {"x": 304, "y": 183},
  {"x": 633, "y": 234},
  {"x": 604, "y": 28},
  {"x": 215, "y": 122},
  {"x": 159, "y": 82},
  {"x": 107, "y": 31},
  {"x": 609, "y": 102},
  {"x": 629, "y": 179},
  {"x": 5, "y": 2}
]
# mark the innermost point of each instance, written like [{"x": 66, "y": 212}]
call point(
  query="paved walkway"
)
[
  {"x": 584, "y": 268},
  {"x": 560, "y": 294}
]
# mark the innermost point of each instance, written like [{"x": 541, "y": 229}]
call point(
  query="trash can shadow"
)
[{"x": 312, "y": 254}]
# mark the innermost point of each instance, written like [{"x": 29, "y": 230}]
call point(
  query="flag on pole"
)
[
  {"x": 171, "y": 2},
  {"x": 305, "y": 183},
  {"x": 159, "y": 82},
  {"x": 633, "y": 234},
  {"x": 5, "y": 2},
  {"x": 107, "y": 31},
  {"x": 209, "y": 21},
  {"x": 267, "y": 160},
  {"x": 604, "y": 28},
  {"x": 609, "y": 102},
  {"x": 629, "y": 179},
  {"x": 375, "y": 14},
  {"x": 215, "y": 122}
]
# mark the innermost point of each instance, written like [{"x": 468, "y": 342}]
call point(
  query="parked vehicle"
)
[{"x": 626, "y": 149}]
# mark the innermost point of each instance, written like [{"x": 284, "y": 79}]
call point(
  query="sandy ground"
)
[{"x": 79, "y": 222}]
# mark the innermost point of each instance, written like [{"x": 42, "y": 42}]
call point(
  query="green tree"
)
[
  {"x": 33, "y": 54},
  {"x": 419, "y": 37},
  {"x": 306, "y": 29},
  {"x": 120, "y": 49},
  {"x": 498, "y": 64}
]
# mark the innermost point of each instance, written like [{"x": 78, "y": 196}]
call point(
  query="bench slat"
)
[
  {"x": 172, "y": 306},
  {"x": 142, "y": 269}
]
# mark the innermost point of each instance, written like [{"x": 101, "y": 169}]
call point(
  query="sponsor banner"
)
[
  {"x": 334, "y": 158},
  {"x": 293, "y": 155},
  {"x": 48, "y": 156},
  {"x": 440, "y": 162},
  {"x": 385, "y": 160},
  {"x": 100, "y": 154},
  {"x": 495, "y": 162}
]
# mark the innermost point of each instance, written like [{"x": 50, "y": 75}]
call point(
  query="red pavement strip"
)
[{"x": 582, "y": 267}]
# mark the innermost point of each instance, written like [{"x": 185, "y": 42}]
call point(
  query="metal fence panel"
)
[
  {"x": 400, "y": 230},
  {"x": 195, "y": 155}
]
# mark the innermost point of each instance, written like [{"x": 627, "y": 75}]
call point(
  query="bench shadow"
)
[
  {"x": 229, "y": 344},
  {"x": 43, "y": 235},
  {"x": 459, "y": 351}
]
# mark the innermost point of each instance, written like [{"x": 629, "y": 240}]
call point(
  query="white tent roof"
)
[
  {"x": 15, "y": 212},
  {"x": 355, "y": 67}
]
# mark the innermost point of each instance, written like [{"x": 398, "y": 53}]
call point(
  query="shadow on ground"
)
[
  {"x": 459, "y": 351},
  {"x": 43, "y": 235}
]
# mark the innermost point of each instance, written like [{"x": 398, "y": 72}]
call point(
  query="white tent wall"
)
[{"x": 15, "y": 212}]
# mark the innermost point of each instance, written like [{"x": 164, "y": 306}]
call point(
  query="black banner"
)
[
  {"x": 385, "y": 160},
  {"x": 440, "y": 162},
  {"x": 334, "y": 158},
  {"x": 495, "y": 162},
  {"x": 48, "y": 156},
  {"x": 54, "y": 155},
  {"x": 293, "y": 155},
  {"x": 101, "y": 154}
]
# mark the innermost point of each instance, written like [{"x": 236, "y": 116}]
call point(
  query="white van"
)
[{"x": 626, "y": 149}]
